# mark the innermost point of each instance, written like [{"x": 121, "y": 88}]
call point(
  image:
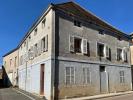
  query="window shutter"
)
[
  {"x": 71, "y": 43},
  {"x": 34, "y": 49},
  {"x": 39, "y": 48},
  {"x": 84, "y": 46},
  {"x": 32, "y": 53},
  {"x": 29, "y": 54},
  {"x": 46, "y": 43},
  {"x": 42, "y": 45},
  {"x": 106, "y": 51},
  {"x": 124, "y": 58}
]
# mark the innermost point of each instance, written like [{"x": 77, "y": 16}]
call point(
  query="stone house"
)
[
  {"x": 10, "y": 69},
  {"x": 70, "y": 52}
]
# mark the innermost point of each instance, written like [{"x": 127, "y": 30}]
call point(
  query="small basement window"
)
[{"x": 77, "y": 45}]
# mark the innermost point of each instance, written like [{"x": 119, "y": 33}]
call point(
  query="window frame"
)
[
  {"x": 85, "y": 74},
  {"x": 70, "y": 83},
  {"x": 122, "y": 76}
]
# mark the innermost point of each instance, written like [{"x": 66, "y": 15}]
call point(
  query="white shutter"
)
[
  {"x": 29, "y": 54},
  {"x": 32, "y": 53},
  {"x": 46, "y": 43},
  {"x": 39, "y": 48},
  {"x": 71, "y": 43},
  {"x": 124, "y": 58},
  {"x": 106, "y": 51},
  {"x": 84, "y": 46},
  {"x": 42, "y": 45}
]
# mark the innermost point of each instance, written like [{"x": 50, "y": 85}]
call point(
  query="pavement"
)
[
  {"x": 16, "y": 94},
  {"x": 122, "y": 97},
  {"x": 111, "y": 96}
]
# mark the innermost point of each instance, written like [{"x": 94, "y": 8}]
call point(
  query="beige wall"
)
[
  {"x": 131, "y": 49},
  {"x": 10, "y": 63}
]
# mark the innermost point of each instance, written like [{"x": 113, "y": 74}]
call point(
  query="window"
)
[
  {"x": 43, "y": 23},
  {"x": 24, "y": 43},
  {"x": 10, "y": 62},
  {"x": 15, "y": 63},
  {"x": 122, "y": 77},
  {"x": 35, "y": 32},
  {"x": 36, "y": 50},
  {"x": 78, "y": 45},
  {"x": 119, "y": 38},
  {"x": 103, "y": 51},
  {"x": 29, "y": 38},
  {"x": 86, "y": 76},
  {"x": 102, "y": 68},
  {"x": 45, "y": 44},
  {"x": 101, "y": 32},
  {"x": 69, "y": 75},
  {"x": 119, "y": 54},
  {"x": 100, "y": 49},
  {"x": 77, "y": 23}
]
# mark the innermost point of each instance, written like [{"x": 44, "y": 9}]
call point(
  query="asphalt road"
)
[
  {"x": 10, "y": 94},
  {"x": 122, "y": 97}
]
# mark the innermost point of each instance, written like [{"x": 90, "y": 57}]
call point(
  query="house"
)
[
  {"x": 1, "y": 78},
  {"x": 10, "y": 68},
  {"x": 70, "y": 52}
]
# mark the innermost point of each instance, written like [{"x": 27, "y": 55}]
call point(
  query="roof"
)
[
  {"x": 74, "y": 9},
  {"x": 10, "y": 52}
]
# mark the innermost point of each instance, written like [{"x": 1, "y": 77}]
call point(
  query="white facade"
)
[{"x": 31, "y": 58}]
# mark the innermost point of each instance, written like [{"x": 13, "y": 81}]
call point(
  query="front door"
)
[
  {"x": 42, "y": 79},
  {"x": 103, "y": 80}
]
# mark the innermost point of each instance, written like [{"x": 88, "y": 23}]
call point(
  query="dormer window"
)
[
  {"x": 101, "y": 32},
  {"x": 119, "y": 38},
  {"x": 77, "y": 23},
  {"x": 35, "y": 32}
]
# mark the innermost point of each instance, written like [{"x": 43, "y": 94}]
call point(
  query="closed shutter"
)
[
  {"x": 42, "y": 45},
  {"x": 46, "y": 43},
  {"x": 32, "y": 53},
  {"x": 84, "y": 46},
  {"x": 71, "y": 43},
  {"x": 29, "y": 54},
  {"x": 39, "y": 48}
]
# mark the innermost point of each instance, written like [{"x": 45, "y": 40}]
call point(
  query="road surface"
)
[{"x": 12, "y": 94}]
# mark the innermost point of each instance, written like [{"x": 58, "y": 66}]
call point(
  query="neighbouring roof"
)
[{"x": 10, "y": 52}]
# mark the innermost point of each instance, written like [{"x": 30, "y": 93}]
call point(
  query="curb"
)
[{"x": 100, "y": 96}]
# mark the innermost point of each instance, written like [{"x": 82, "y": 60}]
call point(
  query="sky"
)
[{"x": 17, "y": 16}]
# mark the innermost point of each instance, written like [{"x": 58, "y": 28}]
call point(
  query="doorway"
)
[
  {"x": 42, "y": 79},
  {"x": 103, "y": 80}
]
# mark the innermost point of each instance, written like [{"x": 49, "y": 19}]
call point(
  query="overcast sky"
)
[{"x": 17, "y": 16}]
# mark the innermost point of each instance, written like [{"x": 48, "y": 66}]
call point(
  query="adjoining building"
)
[
  {"x": 10, "y": 68},
  {"x": 69, "y": 52},
  {"x": 1, "y": 78}
]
